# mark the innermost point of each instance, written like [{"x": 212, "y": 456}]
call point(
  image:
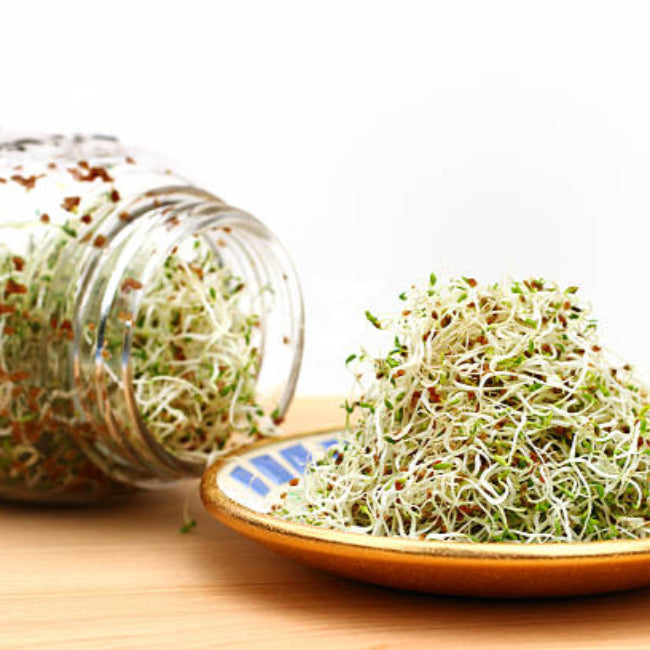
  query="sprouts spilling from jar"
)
[
  {"x": 495, "y": 416},
  {"x": 194, "y": 350}
]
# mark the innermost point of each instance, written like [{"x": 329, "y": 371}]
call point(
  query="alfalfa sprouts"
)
[
  {"x": 496, "y": 415},
  {"x": 195, "y": 344},
  {"x": 196, "y": 358}
]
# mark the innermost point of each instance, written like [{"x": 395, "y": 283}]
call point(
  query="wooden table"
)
[{"x": 123, "y": 576}]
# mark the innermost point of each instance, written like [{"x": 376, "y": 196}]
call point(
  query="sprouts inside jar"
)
[
  {"x": 495, "y": 415},
  {"x": 195, "y": 338},
  {"x": 195, "y": 354}
]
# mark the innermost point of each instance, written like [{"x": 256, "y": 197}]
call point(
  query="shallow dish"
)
[{"x": 240, "y": 488}]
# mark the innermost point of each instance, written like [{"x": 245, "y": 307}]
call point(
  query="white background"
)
[{"x": 381, "y": 141}]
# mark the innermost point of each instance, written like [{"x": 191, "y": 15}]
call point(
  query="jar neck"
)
[{"x": 133, "y": 242}]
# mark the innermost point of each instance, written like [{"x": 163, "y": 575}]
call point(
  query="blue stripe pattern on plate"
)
[
  {"x": 328, "y": 443},
  {"x": 246, "y": 478},
  {"x": 270, "y": 467},
  {"x": 297, "y": 456}
]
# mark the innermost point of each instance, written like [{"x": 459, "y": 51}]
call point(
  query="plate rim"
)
[{"x": 231, "y": 513}]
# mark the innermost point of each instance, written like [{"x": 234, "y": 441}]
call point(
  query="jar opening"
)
[{"x": 199, "y": 336}]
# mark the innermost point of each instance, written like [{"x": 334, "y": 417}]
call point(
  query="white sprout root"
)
[{"x": 496, "y": 416}]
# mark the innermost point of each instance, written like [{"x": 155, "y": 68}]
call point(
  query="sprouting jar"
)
[{"x": 145, "y": 324}]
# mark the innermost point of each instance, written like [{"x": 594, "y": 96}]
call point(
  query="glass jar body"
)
[{"x": 144, "y": 323}]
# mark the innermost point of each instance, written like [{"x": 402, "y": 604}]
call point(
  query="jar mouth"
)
[{"x": 175, "y": 223}]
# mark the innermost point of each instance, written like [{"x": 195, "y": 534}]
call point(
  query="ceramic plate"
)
[{"x": 240, "y": 489}]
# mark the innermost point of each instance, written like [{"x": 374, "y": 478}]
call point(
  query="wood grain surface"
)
[{"x": 124, "y": 577}]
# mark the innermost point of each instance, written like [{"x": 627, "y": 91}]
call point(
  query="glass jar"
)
[{"x": 144, "y": 323}]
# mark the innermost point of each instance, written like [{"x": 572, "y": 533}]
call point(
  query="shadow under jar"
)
[{"x": 145, "y": 325}]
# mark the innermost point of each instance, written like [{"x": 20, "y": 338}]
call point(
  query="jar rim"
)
[{"x": 159, "y": 221}]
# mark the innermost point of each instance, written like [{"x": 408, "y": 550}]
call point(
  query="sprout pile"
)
[{"x": 496, "y": 416}]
